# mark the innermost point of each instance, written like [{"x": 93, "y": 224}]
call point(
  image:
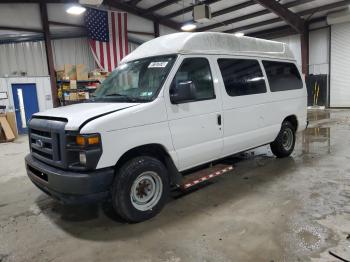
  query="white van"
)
[{"x": 177, "y": 102}]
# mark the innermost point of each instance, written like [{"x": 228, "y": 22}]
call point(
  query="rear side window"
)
[
  {"x": 282, "y": 76},
  {"x": 197, "y": 71},
  {"x": 242, "y": 76}
]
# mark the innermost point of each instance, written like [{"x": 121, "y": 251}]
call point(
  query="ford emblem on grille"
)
[{"x": 39, "y": 143}]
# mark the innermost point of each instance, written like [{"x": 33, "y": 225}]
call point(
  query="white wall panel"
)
[
  {"x": 340, "y": 65},
  {"x": 43, "y": 89},
  {"x": 319, "y": 51},
  {"x": 294, "y": 44}
]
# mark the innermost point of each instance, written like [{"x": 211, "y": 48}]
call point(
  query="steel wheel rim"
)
[
  {"x": 146, "y": 191},
  {"x": 287, "y": 139}
]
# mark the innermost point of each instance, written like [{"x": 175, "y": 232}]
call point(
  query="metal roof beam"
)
[
  {"x": 302, "y": 13},
  {"x": 21, "y": 29},
  {"x": 134, "y": 2},
  {"x": 288, "y": 16},
  {"x": 188, "y": 9},
  {"x": 274, "y": 32},
  {"x": 119, "y": 4},
  {"x": 233, "y": 8},
  {"x": 160, "y": 6},
  {"x": 249, "y": 16}
]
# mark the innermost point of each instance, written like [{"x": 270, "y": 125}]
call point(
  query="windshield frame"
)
[{"x": 140, "y": 100}]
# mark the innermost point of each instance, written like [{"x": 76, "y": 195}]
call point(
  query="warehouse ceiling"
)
[
  {"x": 229, "y": 16},
  {"x": 232, "y": 16}
]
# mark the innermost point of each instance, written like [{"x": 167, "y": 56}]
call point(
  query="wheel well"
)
[
  {"x": 154, "y": 150},
  {"x": 293, "y": 120}
]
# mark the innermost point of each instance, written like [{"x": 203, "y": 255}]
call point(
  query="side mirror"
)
[{"x": 182, "y": 92}]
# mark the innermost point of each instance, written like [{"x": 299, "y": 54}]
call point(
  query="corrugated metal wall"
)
[
  {"x": 30, "y": 57},
  {"x": 340, "y": 64},
  {"x": 294, "y": 44},
  {"x": 319, "y": 52},
  {"x": 73, "y": 51}
]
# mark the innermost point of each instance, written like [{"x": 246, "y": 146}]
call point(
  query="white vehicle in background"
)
[{"x": 177, "y": 102}]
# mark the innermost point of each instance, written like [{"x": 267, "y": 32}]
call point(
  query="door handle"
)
[{"x": 219, "y": 119}]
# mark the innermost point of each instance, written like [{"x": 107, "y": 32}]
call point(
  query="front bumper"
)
[{"x": 70, "y": 187}]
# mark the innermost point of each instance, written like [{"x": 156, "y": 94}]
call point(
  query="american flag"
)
[{"x": 108, "y": 37}]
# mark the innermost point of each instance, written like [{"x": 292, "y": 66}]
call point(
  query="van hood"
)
[{"x": 78, "y": 114}]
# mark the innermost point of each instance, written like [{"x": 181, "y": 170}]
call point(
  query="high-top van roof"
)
[{"x": 210, "y": 43}]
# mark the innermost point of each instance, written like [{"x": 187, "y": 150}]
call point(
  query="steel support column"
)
[
  {"x": 304, "y": 41},
  {"x": 49, "y": 54}
]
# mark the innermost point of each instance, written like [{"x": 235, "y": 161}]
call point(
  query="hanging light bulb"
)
[
  {"x": 188, "y": 26},
  {"x": 76, "y": 10}
]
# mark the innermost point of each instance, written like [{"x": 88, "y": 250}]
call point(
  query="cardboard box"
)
[
  {"x": 73, "y": 84},
  {"x": 6, "y": 129},
  {"x": 11, "y": 119},
  {"x": 82, "y": 72},
  {"x": 59, "y": 75},
  {"x": 73, "y": 96},
  {"x": 66, "y": 72},
  {"x": 83, "y": 95}
]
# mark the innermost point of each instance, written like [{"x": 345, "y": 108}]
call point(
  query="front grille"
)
[{"x": 47, "y": 139}]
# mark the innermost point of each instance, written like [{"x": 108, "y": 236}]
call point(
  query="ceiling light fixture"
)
[
  {"x": 239, "y": 34},
  {"x": 76, "y": 10},
  {"x": 188, "y": 27}
]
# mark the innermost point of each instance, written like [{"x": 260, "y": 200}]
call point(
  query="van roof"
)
[{"x": 210, "y": 43}]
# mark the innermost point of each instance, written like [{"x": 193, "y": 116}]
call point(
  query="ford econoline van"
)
[{"x": 177, "y": 102}]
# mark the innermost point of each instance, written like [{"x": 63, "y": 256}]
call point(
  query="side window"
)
[
  {"x": 196, "y": 71},
  {"x": 242, "y": 76},
  {"x": 282, "y": 76}
]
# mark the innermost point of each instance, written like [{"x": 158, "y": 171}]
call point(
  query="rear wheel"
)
[
  {"x": 284, "y": 144},
  {"x": 140, "y": 189}
]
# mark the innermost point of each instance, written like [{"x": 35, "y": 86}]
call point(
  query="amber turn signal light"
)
[{"x": 87, "y": 140}]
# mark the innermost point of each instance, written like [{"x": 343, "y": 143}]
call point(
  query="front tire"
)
[
  {"x": 284, "y": 144},
  {"x": 140, "y": 189}
]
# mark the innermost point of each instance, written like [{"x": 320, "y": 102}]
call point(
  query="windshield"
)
[{"x": 136, "y": 81}]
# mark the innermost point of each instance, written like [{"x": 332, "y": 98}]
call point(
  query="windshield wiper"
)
[
  {"x": 124, "y": 97},
  {"x": 115, "y": 94}
]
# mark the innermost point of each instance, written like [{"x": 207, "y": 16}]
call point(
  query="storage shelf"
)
[
  {"x": 80, "y": 90},
  {"x": 78, "y": 81}
]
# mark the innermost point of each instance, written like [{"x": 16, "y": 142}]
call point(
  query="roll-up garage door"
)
[{"x": 340, "y": 65}]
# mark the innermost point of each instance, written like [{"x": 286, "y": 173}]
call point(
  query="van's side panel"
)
[
  {"x": 133, "y": 127},
  {"x": 286, "y": 103},
  {"x": 196, "y": 135},
  {"x": 244, "y": 117},
  {"x": 253, "y": 120}
]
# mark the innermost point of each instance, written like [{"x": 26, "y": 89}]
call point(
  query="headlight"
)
[{"x": 83, "y": 151}]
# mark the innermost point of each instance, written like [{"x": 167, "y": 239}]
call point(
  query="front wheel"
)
[
  {"x": 284, "y": 144},
  {"x": 140, "y": 189}
]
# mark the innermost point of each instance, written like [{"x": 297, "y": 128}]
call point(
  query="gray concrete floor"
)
[{"x": 267, "y": 209}]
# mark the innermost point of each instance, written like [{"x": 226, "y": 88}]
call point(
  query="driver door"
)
[{"x": 196, "y": 124}]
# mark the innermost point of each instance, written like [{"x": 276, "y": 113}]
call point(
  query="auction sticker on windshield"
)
[{"x": 157, "y": 64}]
